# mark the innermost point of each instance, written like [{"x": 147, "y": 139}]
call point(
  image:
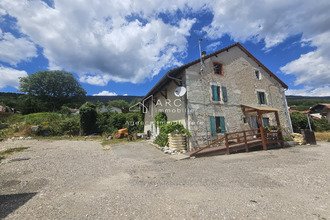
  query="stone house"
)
[
  {"x": 320, "y": 110},
  {"x": 209, "y": 96}
]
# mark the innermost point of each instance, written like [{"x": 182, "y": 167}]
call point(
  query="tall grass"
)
[{"x": 322, "y": 136}]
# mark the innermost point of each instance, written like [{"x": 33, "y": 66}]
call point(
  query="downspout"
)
[
  {"x": 287, "y": 111},
  {"x": 185, "y": 103}
]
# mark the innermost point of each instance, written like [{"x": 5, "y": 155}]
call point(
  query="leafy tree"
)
[
  {"x": 31, "y": 104},
  {"x": 55, "y": 88}
]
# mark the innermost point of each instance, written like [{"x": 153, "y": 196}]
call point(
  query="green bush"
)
[
  {"x": 43, "y": 117},
  {"x": 299, "y": 121},
  {"x": 171, "y": 128},
  {"x": 88, "y": 117},
  {"x": 161, "y": 139},
  {"x": 111, "y": 122},
  {"x": 322, "y": 125},
  {"x": 160, "y": 119},
  {"x": 70, "y": 125}
]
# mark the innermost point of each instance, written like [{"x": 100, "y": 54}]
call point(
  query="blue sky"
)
[{"x": 124, "y": 46}]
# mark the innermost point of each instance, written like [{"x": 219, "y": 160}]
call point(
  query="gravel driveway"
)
[{"x": 81, "y": 180}]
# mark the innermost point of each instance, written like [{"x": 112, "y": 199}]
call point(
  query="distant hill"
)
[
  {"x": 303, "y": 103},
  {"x": 294, "y": 97},
  {"x": 106, "y": 99}
]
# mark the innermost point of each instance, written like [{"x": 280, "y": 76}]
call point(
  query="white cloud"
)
[
  {"x": 10, "y": 77},
  {"x": 273, "y": 22},
  {"x": 127, "y": 41},
  {"x": 105, "y": 93},
  {"x": 213, "y": 47},
  {"x": 97, "y": 79},
  {"x": 310, "y": 91},
  {"x": 123, "y": 41},
  {"x": 14, "y": 50},
  {"x": 313, "y": 68},
  {"x": 125, "y": 95}
]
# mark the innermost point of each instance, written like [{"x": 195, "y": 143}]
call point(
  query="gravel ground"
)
[{"x": 81, "y": 180}]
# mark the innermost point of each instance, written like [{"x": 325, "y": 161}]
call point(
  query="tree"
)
[{"x": 56, "y": 88}]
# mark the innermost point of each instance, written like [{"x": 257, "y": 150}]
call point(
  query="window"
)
[
  {"x": 217, "y": 124},
  {"x": 244, "y": 120},
  {"x": 261, "y": 98},
  {"x": 217, "y": 68},
  {"x": 216, "y": 93},
  {"x": 265, "y": 122},
  {"x": 258, "y": 74}
]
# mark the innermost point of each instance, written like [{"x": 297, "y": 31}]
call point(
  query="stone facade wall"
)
[{"x": 242, "y": 85}]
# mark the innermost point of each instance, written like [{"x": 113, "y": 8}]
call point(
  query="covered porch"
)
[
  {"x": 267, "y": 135},
  {"x": 243, "y": 140}
]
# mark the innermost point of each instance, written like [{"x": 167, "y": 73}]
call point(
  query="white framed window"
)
[{"x": 261, "y": 97}]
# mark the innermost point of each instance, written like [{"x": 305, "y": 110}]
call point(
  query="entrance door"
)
[{"x": 254, "y": 122}]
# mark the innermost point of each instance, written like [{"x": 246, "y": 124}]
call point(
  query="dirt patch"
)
[{"x": 81, "y": 180}]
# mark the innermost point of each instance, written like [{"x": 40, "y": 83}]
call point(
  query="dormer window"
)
[{"x": 217, "y": 68}]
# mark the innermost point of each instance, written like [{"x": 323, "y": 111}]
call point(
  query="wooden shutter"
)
[
  {"x": 212, "y": 125},
  {"x": 224, "y": 93},
  {"x": 222, "y": 124},
  {"x": 265, "y": 101},
  {"x": 215, "y": 96}
]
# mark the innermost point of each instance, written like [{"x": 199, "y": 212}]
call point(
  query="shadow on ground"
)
[{"x": 9, "y": 203}]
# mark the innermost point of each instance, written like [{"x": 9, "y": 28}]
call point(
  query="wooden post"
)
[
  {"x": 245, "y": 142},
  {"x": 264, "y": 146},
  {"x": 279, "y": 132},
  {"x": 227, "y": 145}
]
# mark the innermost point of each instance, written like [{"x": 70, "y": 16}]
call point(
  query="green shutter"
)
[
  {"x": 215, "y": 96},
  {"x": 212, "y": 125},
  {"x": 222, "y": 124},
  {"x": 224, "y": 93},
  {"x": 264, "y": 94},
  {"x": 152, "y": 127},
  {"x": 258, "y": 96}
]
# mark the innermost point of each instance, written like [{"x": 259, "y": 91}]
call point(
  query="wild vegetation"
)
[{"x": 45, "y": 109}]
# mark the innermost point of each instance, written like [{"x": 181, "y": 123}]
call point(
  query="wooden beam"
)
[
  {"x": 247, "y": 111},
  {"x": 227, "y": 144},
  {"x": 264, "y": 146},
  {"x": 280, "y": 135}
]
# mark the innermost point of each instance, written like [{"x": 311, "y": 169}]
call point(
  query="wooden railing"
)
[
  {"x": 241, "y": 137},
  {"x": 245, "y": 137},
  {"x": 214, "y": 142}
]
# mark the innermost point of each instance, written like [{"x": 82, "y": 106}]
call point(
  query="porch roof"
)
[{"x": 261, "y": 109}]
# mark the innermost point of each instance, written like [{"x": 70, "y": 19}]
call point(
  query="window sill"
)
[{"x": 217, "y": 102}]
